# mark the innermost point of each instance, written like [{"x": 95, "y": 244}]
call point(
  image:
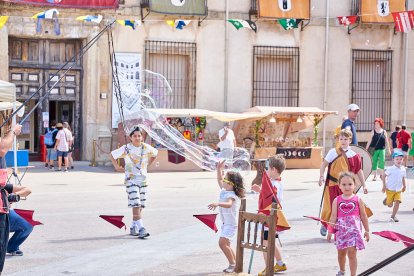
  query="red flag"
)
[
  {"x": 331, "y": 227},
  {"x": 115, "y": 220},
  {"x": 347, "y": 20},
  {"x": 268, "y": 195},
  {"x": 28, "y": 216},
  {"x": 397, "y": 237},
  {"x": 404, "y": 21},
  {"x": 209, "y": 220},
  {"x": 411, "y": 18}
]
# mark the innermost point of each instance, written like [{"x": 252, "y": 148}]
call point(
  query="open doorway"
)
[{"x": 62, "y": 111}]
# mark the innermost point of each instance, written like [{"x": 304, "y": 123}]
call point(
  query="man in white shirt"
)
[{"x": 227, "y": 141}]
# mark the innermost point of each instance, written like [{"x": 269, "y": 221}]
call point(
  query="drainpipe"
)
[
  {"x": 226, "y": 58},
  {"x": 325, "y": 90},
  {"x": 405, "y": 77}
]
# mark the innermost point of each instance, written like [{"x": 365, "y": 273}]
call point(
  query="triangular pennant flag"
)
[
  {"x": 347, "y": 20},
  {"x": 209, "y": 220},
  {"x": 90, "y": 18},
  {"x": 129, "y": 23},
  {"x": 115, "y": 220},
  {"x": 289, "y": 23},
  {"x": 170, "y": 23},
  {"x": 46, "y": 14},
  {"x": 179, "y": 24},
  {"x": 238, "y": 24},
  {"x": 268, "y": 195},
  {"x": 28, "y": 216},
  {"x": 397, "y": 237},
  {"x": 3, "y": 20}
]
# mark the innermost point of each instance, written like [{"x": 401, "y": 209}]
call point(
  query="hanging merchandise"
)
[{"x": 238, "y": 24}]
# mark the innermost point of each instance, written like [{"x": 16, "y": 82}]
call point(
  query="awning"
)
[
  {"x": 7, "y": 91},
  {"x": 8, "y": 96}
]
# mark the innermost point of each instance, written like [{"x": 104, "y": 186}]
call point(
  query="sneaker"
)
[
  {"x": 142, "y": 233},
  {"x": 66, "y": 170},
  {"x": 340, "y": 273},
  {"x": 133, "y": 231},
  {"x": 50, "y": 167},
  {"x": 230, "y": 269},
  {"x": 71, "y": 167},
  {"x": 279, "y": 268},
  {"x": 46, "y": 165},
  {"x": 323, "y": 230},
  {"x": 394, "y": 219},
  {"x": 16, "y": 253},
  {"x": 58, "y": 170}
]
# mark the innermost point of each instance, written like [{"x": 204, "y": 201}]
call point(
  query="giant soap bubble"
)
[{"x": 157, "y": 93}]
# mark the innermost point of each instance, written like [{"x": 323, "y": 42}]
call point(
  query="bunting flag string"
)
[
  {"x": 49, "y": 14},
  {"x": 90, "y": 18},
  {"x": 129, "y": 23},
  {"x": 289, "y": 23},
  {"x": 404, "y": 21},
  {"x": 347, "y": 20},
  {"x": 238, "y": 24},
  {"x": 178, "y": 24},
  {"x": 3, "y": 20}
]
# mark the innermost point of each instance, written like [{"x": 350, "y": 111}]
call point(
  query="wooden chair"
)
[{"x": 245, "y": 241}]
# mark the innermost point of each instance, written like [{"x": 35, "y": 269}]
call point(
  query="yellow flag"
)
[
  {"x": 170, "y": 22},
  {"x": 3, "y": 20}
]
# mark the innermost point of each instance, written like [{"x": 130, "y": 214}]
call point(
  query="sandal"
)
[
  {"x": 230, "y": 269},
  {"x": 374, "y": 179}
]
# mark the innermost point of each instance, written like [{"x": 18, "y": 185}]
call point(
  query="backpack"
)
[{"x": 49, "y": 141}]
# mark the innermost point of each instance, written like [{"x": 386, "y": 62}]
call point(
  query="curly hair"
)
[
  {"x": 237, "y": 180},
  {"x": 347, "y": 174}
]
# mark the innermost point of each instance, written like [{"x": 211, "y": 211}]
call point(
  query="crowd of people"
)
[{"x": 59, "y": 142}]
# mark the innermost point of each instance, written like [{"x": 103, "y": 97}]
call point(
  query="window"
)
[
  {"x": 176, "y": 61},
  {"x": 371, "y": 86},
  {"x": 275, "y": 76}
]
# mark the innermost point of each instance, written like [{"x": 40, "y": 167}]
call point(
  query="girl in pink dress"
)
[{"x": 348, "y": 212}]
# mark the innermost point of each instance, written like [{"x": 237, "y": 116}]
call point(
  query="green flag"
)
[
  {"x": 289, "y": 23},
  {"x": 238, "y": 24}
]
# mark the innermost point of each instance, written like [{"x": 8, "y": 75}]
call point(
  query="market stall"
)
[{"x": 281, "y": 130}]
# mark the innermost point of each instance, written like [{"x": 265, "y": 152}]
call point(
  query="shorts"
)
[
  {"x": 228, "y": 231},
  {"x": 51, "y": 154},
  {"x": 62, "y": 153},
  {"x": 266, "y": 235},
  {"x": 378, "y": 159},
  {"x": 136, "y": 191},
  {"x": 393, "y": 196}
]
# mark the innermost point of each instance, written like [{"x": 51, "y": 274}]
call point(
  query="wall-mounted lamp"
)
[
  {"x": 299, "y": 119},
  {"x": 272, "y": 120}
]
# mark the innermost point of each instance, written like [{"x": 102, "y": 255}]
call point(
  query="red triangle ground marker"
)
[{"x": 209, "y": 220}]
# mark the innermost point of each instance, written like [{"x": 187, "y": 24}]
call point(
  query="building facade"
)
[{"x": 272, "y": 66}]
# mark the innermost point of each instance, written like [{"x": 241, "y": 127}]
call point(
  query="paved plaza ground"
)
[{"x": 74, "y": 240}]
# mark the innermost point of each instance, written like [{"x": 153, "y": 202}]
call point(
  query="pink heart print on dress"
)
[{"x": 347, "y": 207}]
